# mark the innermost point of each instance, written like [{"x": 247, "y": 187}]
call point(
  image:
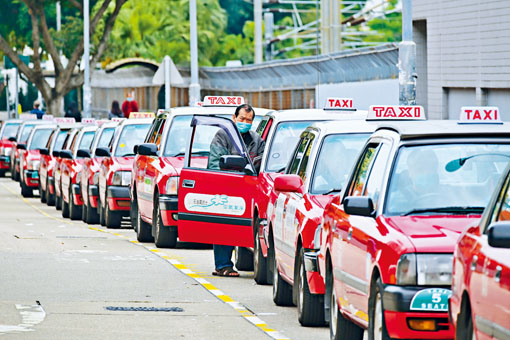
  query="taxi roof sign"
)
[
  {"x": 27, "y": 116},
  {"x": 142, "y": 115},
  {"x": 334, "y": 103},
  {"x": 65, "y": 120},
  {"x": 223, "y": 101},
  {"x": 118, "y": 119},
  {"x": 48, "y": 117},
  {"x": 88, "y": 120},
  {"x": 480, "y": 115},
  {"x": 396, "y": 112}
]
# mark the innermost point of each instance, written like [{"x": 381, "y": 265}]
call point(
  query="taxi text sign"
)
[
  {"x": 88, "y": 120},
  {"x": 27, "y": 116},
  {"x": 223, "y": 101},
  {"x": 480, "y": 114},
  {"x": 334, "y": 103},
  {"x": 396, "y": 112},
  {"x": 64, "y": 120}
]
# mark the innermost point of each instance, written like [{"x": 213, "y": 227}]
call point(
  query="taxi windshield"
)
[
  {"x": 105, "y": 138},
  {"x": 86, "y": 140},
  {"x": 130, "y": 136},
  {"x": 285, "y": 137},
  {"x": 10, "y": 130},
  {"x": 336, "y": 158},
  {"x": 25, "y": 133},
  {"x": 445, "y": 178},
  {"x": 40, "y": 138},
  {"x": 61, "y": 138},
  {"x": 179, "y": 134}
]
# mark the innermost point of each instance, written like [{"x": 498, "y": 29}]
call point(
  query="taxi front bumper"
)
[
  {"x": 315, "y": 280},
  {"x": 398, "y": 315},
  {"x": 31, "y": 178},
  {"x": 168, "y": 207},
  {"x": 5, "y": 162},
  {"x": 118, "y": 198}
]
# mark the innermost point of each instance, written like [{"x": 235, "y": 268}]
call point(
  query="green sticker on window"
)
[{"x": 431, "y": 300}]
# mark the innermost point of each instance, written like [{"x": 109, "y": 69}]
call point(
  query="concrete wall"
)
[{"x": 467, "y": 55}]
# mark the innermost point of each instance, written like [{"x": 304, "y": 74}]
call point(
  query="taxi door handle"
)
[
  {"x": 188, "y": 183},
  {"x": 497, "y": 276},
  {"x": 349, "y": 234}
]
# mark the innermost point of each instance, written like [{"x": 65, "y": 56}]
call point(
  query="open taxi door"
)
[{"x": 216, "y": 185}]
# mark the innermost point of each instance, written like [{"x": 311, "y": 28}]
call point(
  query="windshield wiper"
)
[
  {"x": 332, "y": 191},
  {"x": 198, "y": 153},
  {"x": 450, "y": 210}
]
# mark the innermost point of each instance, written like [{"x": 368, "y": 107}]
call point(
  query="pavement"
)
[{"x": 63, "y": 279}]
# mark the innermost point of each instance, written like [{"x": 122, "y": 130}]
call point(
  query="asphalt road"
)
[{"x": 63, "y": 279}]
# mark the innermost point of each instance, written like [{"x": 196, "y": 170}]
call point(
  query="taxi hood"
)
[
  {"x": 124, "y": 163},
  {"x": 432, "y": 234}
]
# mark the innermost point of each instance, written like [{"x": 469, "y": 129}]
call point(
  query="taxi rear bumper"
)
[
  {"x": 5, "y": 162},
  {"x": 93, "y": 195},
  {"x": 76, "y": 191},
  {"x": 168, "y": 207},
  {"x": 118, "y": 198},
  {"x": 315, "y": 280}
]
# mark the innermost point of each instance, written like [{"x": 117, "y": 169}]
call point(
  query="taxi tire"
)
[
  {"x": 65, "y": 208},
  {"x": 112, "y": 219},
  {"x": 282, "y": 291},
  {"x": 25, "y": 190},
  {"x": 102, "y": 220},
  {"x": 464, "y": 330},
  {"x": 261, "y": 272},
  {"x": 74, "y": 210},
  {"x": 310, "y": 306},
  {"x": 91, "y": 215},
  {"x": 375, "y": 296},
  {"x": 50, "y": 199},
  {"x": 243, "y": 259},
  {"x": 133, "y": 215},
  {"x": 2, "y": 173},
  {"x": 341, "y": 328},
  {"x": 84, "y": 213},
  {"x": 58, "y": 202},
  {"x": 143, "y": 230},
  {"x": 164, "y": 236},
  {"x": 42, "y": 194}
]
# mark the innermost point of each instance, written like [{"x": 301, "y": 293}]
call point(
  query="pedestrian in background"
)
[
  {"x": 115, "y": 111},
  {"x": 73, "y": 112},
  {"x": 130, "y": 104},
  {"x": 36, "y": 110}
]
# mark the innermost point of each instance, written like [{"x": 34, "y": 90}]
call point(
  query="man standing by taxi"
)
[{"x": 222, "y": 145}]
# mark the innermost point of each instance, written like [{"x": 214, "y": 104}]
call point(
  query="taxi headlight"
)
[
  {"x": 172, "y": 185},
  {"x": 406, "y": 270},
  {"x": 434, "y": 269},
  {"x": 95, "y": 178},
  {"x": 122, "y": 178},
  {"x": 317, "y": 237},
  {"x": 33, "y": 165}
]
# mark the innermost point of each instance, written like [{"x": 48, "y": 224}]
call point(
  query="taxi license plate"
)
[{"x": 431, "y": 300}]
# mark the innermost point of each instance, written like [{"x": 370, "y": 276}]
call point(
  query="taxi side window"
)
[
  {"x": 357, "y": 186},
  {"x": 375, "y": 178},
  {"x": 154, "y": 131},
  {"x": 501, "y": 210},
  {"x": 52, "y": 137},
  {"x": 306, "y": 157},
  {"x": 160, "y": 132},
  {"x": 73, "y": 143},
  {"x": 298, "y": 155},
  {"x": 262, "y": 126}
]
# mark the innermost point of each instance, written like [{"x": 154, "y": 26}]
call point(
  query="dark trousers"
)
[{"x": 223, "y": 256}]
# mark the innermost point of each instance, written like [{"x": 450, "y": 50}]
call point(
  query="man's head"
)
[
  {"x": 243, "y": 117},
  {"x": 37, "y": 104}
]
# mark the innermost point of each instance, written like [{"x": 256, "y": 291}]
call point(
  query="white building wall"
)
[{"x": 468, "y": 53}]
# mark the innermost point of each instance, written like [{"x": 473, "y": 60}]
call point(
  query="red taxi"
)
[
  {"x": 57, "y": 172},
  {"x": 480, "y": 301},
  {"x": 70, "y": 168},
  {"x": 30, "y": 158},
  {"x": 7, "y": 133},
  {"x": 228, "y": 206},
  {"x": 21, "y": 138},
  {"x": 318, "y": 168},
  {"x": 115, "y": 170},
  {"x": 387, "y": 241},
  {"x": 89, "y": 177},
  {"x": 47, "y": 166},
  {"x": 157, "y": 167}
]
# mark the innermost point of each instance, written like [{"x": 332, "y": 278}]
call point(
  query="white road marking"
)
[{"x": 31, "y": 315}]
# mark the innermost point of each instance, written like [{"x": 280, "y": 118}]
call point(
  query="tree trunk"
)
[{"x": 54, "y": 106}]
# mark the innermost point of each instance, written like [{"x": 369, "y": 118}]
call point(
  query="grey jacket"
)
[{"x": 222, "y": 145}]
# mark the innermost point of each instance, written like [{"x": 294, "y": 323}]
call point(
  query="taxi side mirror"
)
[
  {"x": 44, "y": 151},
  {"x": 233, "y": 162},
  {"x": 21, "y": 146},
  {"x": 135, "y": 149},
  {"x": 148, "y": 149},
  {"x": 12, "y": 139},
  {"x": 359, "y": 205},
  {"x": 288, "y": 183},
  {"x": 102, "y": 152},
  {"x": 67, "y": 154},
  {"x": 55, "y": 153},
  {"x": 498, "y": 235},
  {"x": 83, "y": 153}
]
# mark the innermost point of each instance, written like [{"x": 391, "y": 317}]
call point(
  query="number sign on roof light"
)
[
  {"x": 395, "y": 112},
  {"x": 64, "y": 120},
  {"x": 339, "y": 104},
  {"x": 48, "y": 117},
  {"x": 480, "y": 114},
  {"x": 141, "y": 115},
  {"x": 27, "y": 116},
  {"x": 223, "y": 101}
]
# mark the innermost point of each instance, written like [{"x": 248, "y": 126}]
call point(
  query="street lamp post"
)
[
  {"x": 194, "y": 86},
  {"x": 407, "y": 58},
  {"x": 87, "y": 95}
]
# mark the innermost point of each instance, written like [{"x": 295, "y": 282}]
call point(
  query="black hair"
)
[{"x": 246, "y": 108}]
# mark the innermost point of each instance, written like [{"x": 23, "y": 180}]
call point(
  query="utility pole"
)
[
  {"x": 87, "y": 95},
  {"x": 268, "y": 34},
  {"x": 166, "y": 61},
  {"x": 257, "y": 13},
  {"x": 194, "y": 86},
  {"x": 59, "y": 16},
  {"x": 407, "y": 58}
]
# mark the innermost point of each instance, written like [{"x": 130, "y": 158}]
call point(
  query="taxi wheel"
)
[
  {"x": 310, "y": 306},
  {"x": 102, "y": 220},
  {"x": 42, "y": 194},
  {"x": 65, "y": 208},
  {"x": 58, "y": 202},
  {"x": 376, "y": 322},
  {"x": 243, "y": 259},
  {"x": 133, "y": 215},
  {"x": 91, "y": 215},
  {"x": 50, "y": 199},
  {"x": 143, "y": 231},
  {"x": 465, "y": 329},
  {"x": 74, "y": 210},
  {"x": 84, "y": 212},
  {"x": 164, "y": 237},
  {"x": 260, "y": 268},
  {"x": 17, "y": 176},
  {"x": 25, "y": 190},
  {"x": 282, "y": 291},
  {"x": 112, "y": 219},
  {"x": 2, "y": 173}
]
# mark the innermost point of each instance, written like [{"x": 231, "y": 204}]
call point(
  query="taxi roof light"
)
[
  {"x": 223, "y": 101},
  {"x": 480, "y": 115},
  {"x": 335, "y": 103},
  {"x": 65, "y": 120},
  {"x": 396, "y": 112},
  {"x": 133, "y": 115}
]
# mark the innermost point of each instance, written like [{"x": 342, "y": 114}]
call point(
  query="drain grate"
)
[{"x": 144, "y": 309}]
